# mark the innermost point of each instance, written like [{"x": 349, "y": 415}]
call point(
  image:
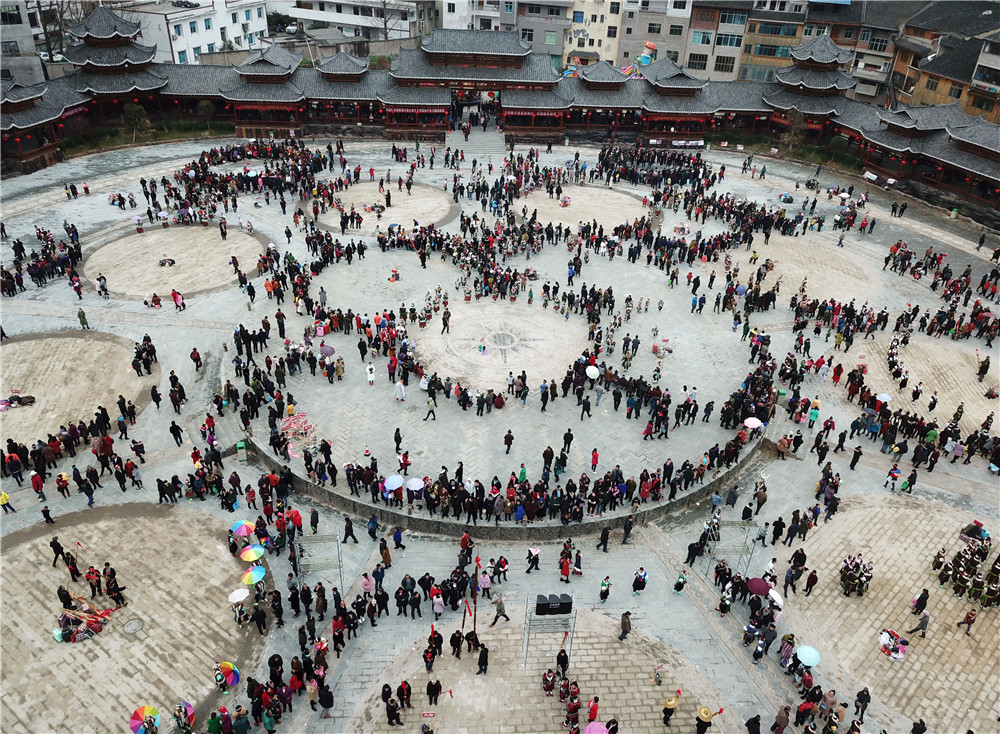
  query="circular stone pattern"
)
[
  {"x": 488, "y": 339},
  {"x": 201, "y": 260},
  {"x": 178, "y": 573},
  {"x": 425, "y": 204},
  {"x": 587, "y": 203},
  {"x": 69, "y": 375}
]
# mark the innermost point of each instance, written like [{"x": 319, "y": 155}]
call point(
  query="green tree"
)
[
  {"x": 206, "y": 108},
  {"x": 134, "y": 118}
]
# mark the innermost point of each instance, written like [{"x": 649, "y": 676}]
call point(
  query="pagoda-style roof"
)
[
  {"x": 413, "y": 65},
  {"x": 476, "y": 43},
  {"x": 143, "y": 80},
  {"x": 543, "y": 99},
  {"x": 665, "y": 74},
  {"x": 319, "y": 88},
  {"x": 821, "y": 50},
  {"x": 271, "y": 61},
  {"x": 784, "y": 99},
  {"x": 977, "y": 132},
  {"x": 936, "y": 117},
  {"x": 110, "y": 56},
  {"x": 104, "y": 24},
  {"x": 602, "y": 73},
  {"x": 263, "y": 92},
  {"x": 814, "y": 79},
  {"x": 416, "y": 96},
  {"x": 49, "y": 101},
  {"x": 342, "y": 64}
]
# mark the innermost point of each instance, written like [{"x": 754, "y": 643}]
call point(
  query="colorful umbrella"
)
[
  {"x": 394, "y": 482},
  {"x": 252, "y": 552},
  {"x": 808, "y": 656},
  {"x": 139, "y": 716},
  {"x": 189, "y": 708},
  {"x": 230, "y": 672},
  {"x": 758, "y": 587},
  {"x": 238, "y": 595},
  {"x": 253, "y": 575},
  {"x": 243, "y": 528}
]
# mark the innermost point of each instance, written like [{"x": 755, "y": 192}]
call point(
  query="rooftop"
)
[
  {"x": 666, "y": 74},
  {"x": 110, "y": 56},
  {"x": 794, "y": 76},
  {"x": 821, "y": 50},
  {"x": 104, "y": 24},
  {"x": 934, "y": 117},
  {"x": 413, "y": 64},
  {"x": 343, "y": 64},
  {"x": 271, "y": 61},
  {"x": 601, "y": 72},
  {"x": 492, "y": 43},
  {"x": 956, "y": 59},
  {"x": 965, "y": 19}
]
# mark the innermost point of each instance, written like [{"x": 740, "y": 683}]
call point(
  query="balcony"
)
[
  {"x": 987, "y": 87},
  {"x": 869, "y": 73}
]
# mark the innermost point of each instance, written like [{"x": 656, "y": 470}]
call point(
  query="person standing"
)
[
  {"x": 605, "y": 589},
  {"x": 626, "y": 626},
  {"x": 5, "y": 502},
  {"x": 861, "y": 701},
  {"x": 433, "y": 691},
  {"x": 605, "y": 536},
  {"x": 57, "y": 550},
  {"x": 508, "y": 440},
  {"x": 484, "y": 660},
  {"x": 920, "y": 602},
  {"x": 968, "y": 621}
]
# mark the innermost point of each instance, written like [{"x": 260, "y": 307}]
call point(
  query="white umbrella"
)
[
  {"x": 752, "y": 423},
  {"x": 773, "y": 593},
  {"x": 394, "y": 482},
  {"x": 593, "y": 372},
  {"x": 883, "y": 397},
  {"x": 162, "y": 215},
  {"x": 136, "y": 219},
  {"x": 415, "y": 484},
  {"x": 239, "y": 595}
]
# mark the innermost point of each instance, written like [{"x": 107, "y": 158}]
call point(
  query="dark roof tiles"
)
[
  {"x": 486, "y": 43},
  {"x": 104, "y": 24}
]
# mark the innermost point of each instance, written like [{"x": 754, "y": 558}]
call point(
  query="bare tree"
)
[
  {"x": 390, "y": 20},
  {"x": 795, "y": 134}
]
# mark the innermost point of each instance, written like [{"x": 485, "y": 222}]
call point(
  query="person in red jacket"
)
[
  {"x": 36, "y": 484},
  {"x": 592, "y": 709}
]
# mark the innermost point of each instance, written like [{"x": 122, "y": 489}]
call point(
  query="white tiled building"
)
[{"x": 182, "y": 33}]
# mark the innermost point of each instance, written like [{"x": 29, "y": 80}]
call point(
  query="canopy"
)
[{"x": 808, "y": 656}]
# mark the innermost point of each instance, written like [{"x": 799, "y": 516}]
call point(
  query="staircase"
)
[{"x": 489, "y": 144}]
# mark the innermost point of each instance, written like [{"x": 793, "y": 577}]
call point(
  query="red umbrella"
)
[{"x": 758, "y": 587}]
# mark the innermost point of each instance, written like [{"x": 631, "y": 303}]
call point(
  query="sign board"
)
[
  {"x": 774, "y": 151},
  {"x": 739, "y": 146},
  {"x": 428, "y": 714}
]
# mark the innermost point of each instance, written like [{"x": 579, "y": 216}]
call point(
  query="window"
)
[
  {"x": 197, "y": 52},
  {"x": 246, "y": 14},
  {"x": 631, "y": 16},
  {"x": 211, "y": 48},
  {"x": 752, "y": 28},
  {"x": 528, "y": 34},
  {"x": 729, "y": 39},
  {"x": 981, "y": 103},
  {"x": 878, "y": 44},
  {"x": 593, "y": 18},
  {"x": 182, "y": 57},
  {"x": 705, "y": 16},
  {"x": 732, "y": 18},
  {"x": 249, "y": 39},
  {"x": 956, "y": 91},
  {"x": 590, "y": 42},
  {"x": 10, "y": 15},
  {"x": 236, "y": 18},
  {"x": 193, "y": 26},
  {"x": 814, "y": 30},
  {"x": 177, "y": 29},
  {"x": 581, "y": 43},
  {"x": 676, "y": 30},
  {"x": 612, "y": 31},
  {"x": 673, "y": 56},
  {"x": 778, "y": 29},
  {"x": 725, "y": 64},
  {"x": 260, "y": 12},
  {"x": 534, "y": 10},
  {"x": 208, "y": 24},
  {"x": 865, "y": 35},
  {"x": 931, "y": 84},
  {"x": 9, "y": 47},
  {"x": 754, "y": 73},
  {"x": 577, "y": 16},
  {"x": 550, "y": 38},
  {"x": 762, "y": 49},
  {"x": 798, "y": 9},
  {"x": 653, "y": 29},
  {"x": 555, "y": 12},
  {"x": 697, "y": 61},
  {"x": 450, "y": 8},
  {"x": 508, "y": 7},
  {"x": 701, "y": 38},
  {"x": 847, "y": 33},
  {"x": 615, "y": 8},
  {"x": 485, "y": 24},
  {"x": 628, "y": 30},
  {"x": 680, "y": 4}
]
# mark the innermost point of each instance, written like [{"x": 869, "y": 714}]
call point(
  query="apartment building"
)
[
  {"x": 663, "y": 23},
  {"x": 375, "y": 19},
  {"x": 593, "y": 33},
  {"x": 19, "y": 62},
  {"x": 715, "y": 39},
  {"x": 182, "y": 30}
]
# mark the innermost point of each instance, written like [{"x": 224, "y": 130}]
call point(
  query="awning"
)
[{"x": 437, "y": 110}]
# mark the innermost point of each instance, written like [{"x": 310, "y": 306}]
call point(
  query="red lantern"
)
[
  {"x": 29, "y": 138},
  {"x": 939, "y": 168},
  {"x": 135, "y": 99},
  {"x": 966, "y": 178},
  {"x": 17, "y": 140},
  {"x": 60, "y": 124},
  {"x": 115, "y": 101},
  {"x": 176, "y": 102}
]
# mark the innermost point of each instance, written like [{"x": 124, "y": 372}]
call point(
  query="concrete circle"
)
[
  {"x": 489, "y": 338},
  {"x": 425, "y": 204},
  {"x": 132, "y": 626},
  {"x": 587, "y": 203},
  {"x": 131, "y": 263},
  {"x": 69, "y": 374},
  {"x": 180, "y": 595}
]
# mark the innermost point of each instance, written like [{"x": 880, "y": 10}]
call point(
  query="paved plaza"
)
[{"x": 177, "y": 565}]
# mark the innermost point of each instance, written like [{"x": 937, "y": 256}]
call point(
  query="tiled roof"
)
[
  {"x": 795, "y": 76},
  {"x": 961, "y": 18},
  {"x": 140, "y": 81},
  {"x": 263, "y": 92},
  {"x": 196, "y": 80},
  {"x": 666, "y": 74},
  {"x": 888, "y": 15},
  {"x": 821, "y": 50},
  {"x": 804, "y": 103},
  {"x": 977, "y": 132},
  {"x": 103, "y": 23},
  {"x": 413, "y": 64},
  {"x": 366, "y": 89},
  {"x": 955, "y": 59},
  {"x": 272, "y": 61},
  {"x": 342, "y": 63},
  {"x": 110, "y": 56},
  {"x": 629, "y": 94},
  {"x": 935, "y": 117},
  {"x": 738, "y": 96},
  {"x": 696, "y": 105},
  {"x": 416, "y": 96},
  {"x": 12, "y": 92},
  {"x": 58, "y": 96},
  {"x": 544, "y": 100},
  {"x": 602, "y": 72},
  {"x": 485, "y": 43}
]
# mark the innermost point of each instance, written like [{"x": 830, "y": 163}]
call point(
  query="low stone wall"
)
[{"x": 341, "y": 499}]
